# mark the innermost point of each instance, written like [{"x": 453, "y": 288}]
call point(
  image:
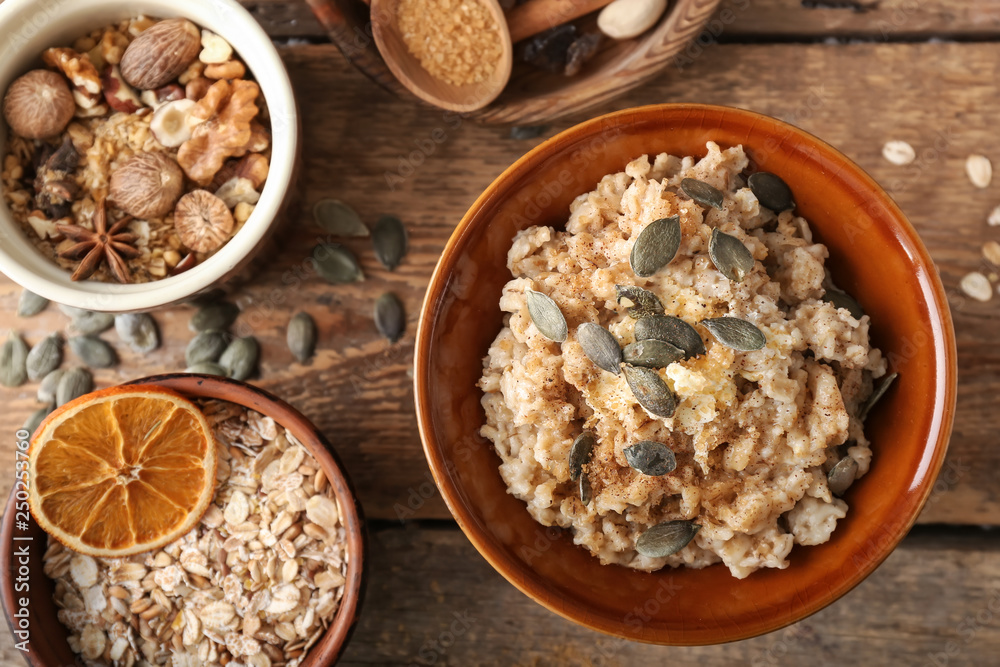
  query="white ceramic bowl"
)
[{"x": 28, "y": 27}]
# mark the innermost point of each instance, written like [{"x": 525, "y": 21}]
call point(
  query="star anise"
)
[{"x": 101, "y": 244}]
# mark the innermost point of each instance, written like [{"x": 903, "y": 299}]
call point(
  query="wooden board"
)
[{"x": 358, "y": 389}]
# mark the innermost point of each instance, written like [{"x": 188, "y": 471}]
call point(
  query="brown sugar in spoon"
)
[{"x": 521, "y": 22}]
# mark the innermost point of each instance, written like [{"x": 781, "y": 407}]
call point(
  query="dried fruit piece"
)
[
  {"x": 203, "y": 221},
  {"x": 666, "y": 539},
  {"x": 580, "y": 51},
  {"x": 38, "y": 105},
  {"x": 655, "y": 246},
  {"x": 600, "y": 346},
  {"x": 547, "y": 317},
  {"x": 390, "y": 318},
  {"x": 580, "y": 453},
  {"x": 301, "y": 336},
  {"x": 172, "y": 122},
  {"x": 161, "y": 53},
  {"x": 650, "y": 390},
  {"x": 147, "y": 185},
  {"x": 142, "y": 462}
]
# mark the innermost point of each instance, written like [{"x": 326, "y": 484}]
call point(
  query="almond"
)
[{"x": 161, "y": 54}]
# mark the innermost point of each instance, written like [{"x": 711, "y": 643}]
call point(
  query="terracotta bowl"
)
[
  {"x": 874, "y": 254},
  {"x": 47, "y": 646}
]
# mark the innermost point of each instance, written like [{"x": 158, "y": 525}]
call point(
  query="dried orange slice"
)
[{"x": 122, "y": 470}]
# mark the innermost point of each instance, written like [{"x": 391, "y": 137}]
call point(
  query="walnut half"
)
[{"x": 228, "y": 109}]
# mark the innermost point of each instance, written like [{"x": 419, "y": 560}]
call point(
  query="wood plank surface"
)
[
  {"x": 358, "y": 390},
  {"x": 741, "y": 20}
]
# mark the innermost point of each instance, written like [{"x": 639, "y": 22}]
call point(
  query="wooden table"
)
[{"x": 856, "y": 73}]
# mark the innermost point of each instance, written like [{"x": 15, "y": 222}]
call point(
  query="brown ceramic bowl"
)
[
  {"x": 874, "y": 254},
  {"x": 47, "y": 646}
]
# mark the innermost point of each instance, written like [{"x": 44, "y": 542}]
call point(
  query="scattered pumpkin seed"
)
[
  {"x": 667, "y": 538},
  {"x": 13, "y": 361},
  {"x": 842, "y": 475},
  {"x": 390, "y": 241},
  {"x": 206, "y": 346},
  {"x": 301, "y": 336},
  {"x": 877, "y": 395},
  {"x": 546, "y": 315},
  {"x": 736, "y": 333},
  {"x": 93, "y": 351},
  {"x": 337, "y": 264},
  {"x": 207, "y": 368},
  {"x": 650, "y": 390},
  {"x": 580, "y": 453},
  {"x": 652, "y": 353},
  {"x": 390, "y": 318},
  {"x": 841, "y": 299},
  {"x": 73, "y": 384},
  {"x": 642, "y": 302},
  {"x": 730, "y": 256},
  {"x": 87, "y": 322},
  {"x": 672, "y": 330},
  {"x": 30, "y": 304},
  {"x": 771, "y": 191},
  {"x": 240, "y": 358},
  {"x": 651, "y": 458},
  {"x": 600, "y": 346},
  {"x": 655, "y": 246},
  {"x": 339, "y": 219},
  {"x": 138, "y": 331},
  {"x": 48, "y": 386},
  {"x": 586, "y": 490},
  {"x": 702, "y": 192},
  {"x": 217, "y": 316},
  {"x": 44, "y": 357},
  {"x": 32, "y": 423}
]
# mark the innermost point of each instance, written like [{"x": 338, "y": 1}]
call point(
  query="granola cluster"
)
[
  {"x": 256, "y": 583},
  {"x": 159, "y": 110}
]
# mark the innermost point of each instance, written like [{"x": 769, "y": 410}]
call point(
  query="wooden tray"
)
[{"x": 533, "y": 97}]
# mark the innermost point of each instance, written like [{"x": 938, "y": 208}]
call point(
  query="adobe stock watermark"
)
[
  {"x": 710, "y": 34},
  {"x": 433, "y": 650},
  {"x": 967, "y": 628},
  {"x": 418, "y": 494}
]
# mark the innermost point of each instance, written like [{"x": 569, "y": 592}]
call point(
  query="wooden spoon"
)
[{"x": 523, "y": 21}]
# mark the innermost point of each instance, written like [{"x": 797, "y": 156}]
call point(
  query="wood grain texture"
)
[{"x": 384, "y": 156}]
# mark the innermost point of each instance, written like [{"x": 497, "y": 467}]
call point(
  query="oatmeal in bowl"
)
[{"x": 702, "y": 397}]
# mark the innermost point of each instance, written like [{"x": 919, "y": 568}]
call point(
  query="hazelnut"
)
[
  {"x": 147, "y": 185},
  {"x": 202, "y": 221},
  {"x": 161, "y": 53},
  {"x": 38, "y": 105},
  {"x": 172, "y": 123}
]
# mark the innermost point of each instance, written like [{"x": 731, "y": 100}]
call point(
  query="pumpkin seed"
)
[
  {"x": 390, "y": 241},
  {"x": 87, "y": 322},
  {"x": 32, "y": 423},
  {"x": 652, "y": 353},
  {"x": 301, "y": 336},
  {"x": 667, "y": 538},
  {"x": 736, "y": 333},
  {"x": 339, "y": 219},
  {"x": 337, "y": 264},
  {"x": 93, "y": 351},
  {"x": 580, "y": 453},
  {"x": 206, "y": 346},
  {"x": 771, "y": 191},
  {"x": 600, "y": 346},
  {"x": 877, "y": 395},
  {"x": 650, "y": 390},
  {"x": 586, "y": 490},
  {"x": 240, "y": 358},
  {"x": 390, "y": 318},
  {"x": 842, "y": 475},
  {"x": 48, "y": 386},
  {"x": 30, "y": 304},
  {"x": 655, "y": 246},
  {"x": 73, "y": 384},
  {"x": 546, "y": 315},
  {"x": 702, "y": 192},
  {"x": 672, "y": 330},
  {"x": 642, "y": 301},
  {"x": 44, "y": 357},
  {"x": 651, "y": 458},
  {"x": 217, "y": 316},
  {"x": 13, "y": 361},
  {"x": 730, "y": 256},
  {"x": 138, "y": 331},
  {"x": 207, "y": 368},
  {"x": 841, "y": 299}
]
